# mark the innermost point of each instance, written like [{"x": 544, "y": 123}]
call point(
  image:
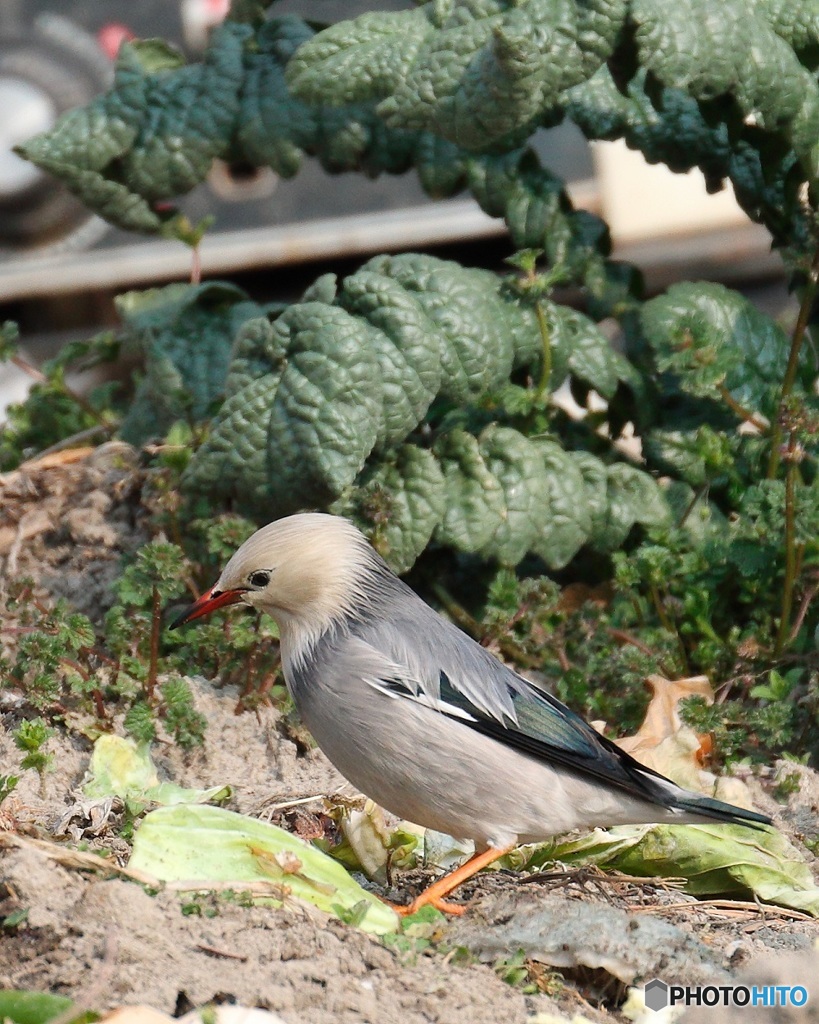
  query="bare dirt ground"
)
[{"x": 106, "y": 941}]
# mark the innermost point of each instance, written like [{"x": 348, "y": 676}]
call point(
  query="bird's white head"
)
[{"x": 307, "y": 571}]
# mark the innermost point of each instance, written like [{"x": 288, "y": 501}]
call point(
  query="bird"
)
[{"x": 421, "y": 718}]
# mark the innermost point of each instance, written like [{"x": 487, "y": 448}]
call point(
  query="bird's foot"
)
[
  {"x": 428, "y": 900},
  {"x": 434, "y": 895}
]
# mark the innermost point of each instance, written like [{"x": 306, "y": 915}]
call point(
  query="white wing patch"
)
[
  {"x": 403, "y": 675},
  {"x": 400, "y": 689}
]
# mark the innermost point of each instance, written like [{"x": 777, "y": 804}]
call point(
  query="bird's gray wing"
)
[{"x": 419, "y": 656}]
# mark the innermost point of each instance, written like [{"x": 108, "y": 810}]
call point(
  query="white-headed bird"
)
[{"x": 424, "y": 720}]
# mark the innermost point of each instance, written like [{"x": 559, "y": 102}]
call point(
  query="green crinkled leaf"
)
[
  {"x": 80, "y": 148},
  {"x": 474, "y": 506},
  {"x": 465, "y": 307},
  {"x": 155, "y": 133},
  {"x": 208, "y": 844},
  {"x": 595, "y": 483},
  {"x": 153, "y": 136},
  {"x": 257, "y": 349},
  {"x": 797, "y": 24},
  {"x": 633, "y": 497},
  {"x": 676, "y": 450},
  {"x": 516, "y": 464},
  {"x": 185, "y": 334},
  {"x": 237, "y": 445},
  {"x": 315, "y": 392},
  {"x": 472, "y": 73},
  {"x": 406, "y": 346},
  {"x": 739, "y": 56},
  {"x": 363, "y": 59},
  {"x": 670, "y": 127},
  {"x": 407, "y": 495},
  {"x": 580, "y": 346},
  {"x": 716, "y": 341},
  {"x": 712, "y": 859},
  {"x": 403, "y": 330},
  {"x": 188, "y": 118},
  {"x": 327, "y": 411},
  {"x": 274, "y": 127},
  {"x": 566, "y": 522},
  {"x": 85, "y": 139}
]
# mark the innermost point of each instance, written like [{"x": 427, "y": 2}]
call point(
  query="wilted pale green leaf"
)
[
  {"x": 121, "y": 767},
  {"x": 712, "y": 859},
  {"x": 23, "y": 1007},
  {"x": 204, "y": 844}
]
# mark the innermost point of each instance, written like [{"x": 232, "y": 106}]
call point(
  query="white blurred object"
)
[
  {"x": 199, "y": 17},
  {"x": 28, "y": 110},
  {"x": 14, "y": 386},
  {"x": 641, "y": 200}
]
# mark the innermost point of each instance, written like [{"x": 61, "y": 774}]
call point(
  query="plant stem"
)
[
  {"x": 546, "y": 344},
  {"x": 74, "y": 439},
  {"x": 156, "y": 618},
  {"x": 692, "y": 504},
  {"x": 797, "y": 339},
  {"x": 666, "y": 623},
  {"x": 790, "y": 549},
  {"x": 27, "y": 367},
  {"x": 196, "y": 264},
  {"x": 804, "y": 605},
  {"x": 746, "y": 415},
  {"x": 40, "y": 378}
]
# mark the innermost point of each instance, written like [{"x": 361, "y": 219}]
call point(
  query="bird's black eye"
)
[{"x": 260, "y": 578}]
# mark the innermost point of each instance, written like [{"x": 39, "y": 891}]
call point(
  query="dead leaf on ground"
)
[
  {"x": 662, "y": 718},
  {"x": 668, "y": 746}
]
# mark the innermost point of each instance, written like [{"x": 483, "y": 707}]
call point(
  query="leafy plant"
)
[
  {"x": 53, "y": 411},
  {"x": 417, "y": 396},
  {"x": 63, "y": 663},
  {"x": 8, "y": 783},
  {"x": 31, "y": 736}
]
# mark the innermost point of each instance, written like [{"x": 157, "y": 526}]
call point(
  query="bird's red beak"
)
[{"x": 207, "y": 603}]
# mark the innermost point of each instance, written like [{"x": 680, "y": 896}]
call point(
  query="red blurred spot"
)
[{"x": 111, "y": 37}]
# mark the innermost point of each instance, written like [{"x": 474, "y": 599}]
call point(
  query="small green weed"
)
[{"x": 129, "y": 664}]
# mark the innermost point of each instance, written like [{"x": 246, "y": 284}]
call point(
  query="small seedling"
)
[
  {"x": 30, "y": 737},
  {"x": 8, "y": 783}
]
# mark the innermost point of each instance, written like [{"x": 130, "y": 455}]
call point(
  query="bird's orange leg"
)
[{"x": 433, "y": 894}]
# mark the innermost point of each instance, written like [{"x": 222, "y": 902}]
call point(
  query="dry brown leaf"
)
[
  {"x": 55, "y": 459},
  {"x": 668, "y": 746},
  {"x": 662, "y": 718}
]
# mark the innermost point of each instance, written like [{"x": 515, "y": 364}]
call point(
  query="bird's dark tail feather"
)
[{"x": 720, "y": 811}]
